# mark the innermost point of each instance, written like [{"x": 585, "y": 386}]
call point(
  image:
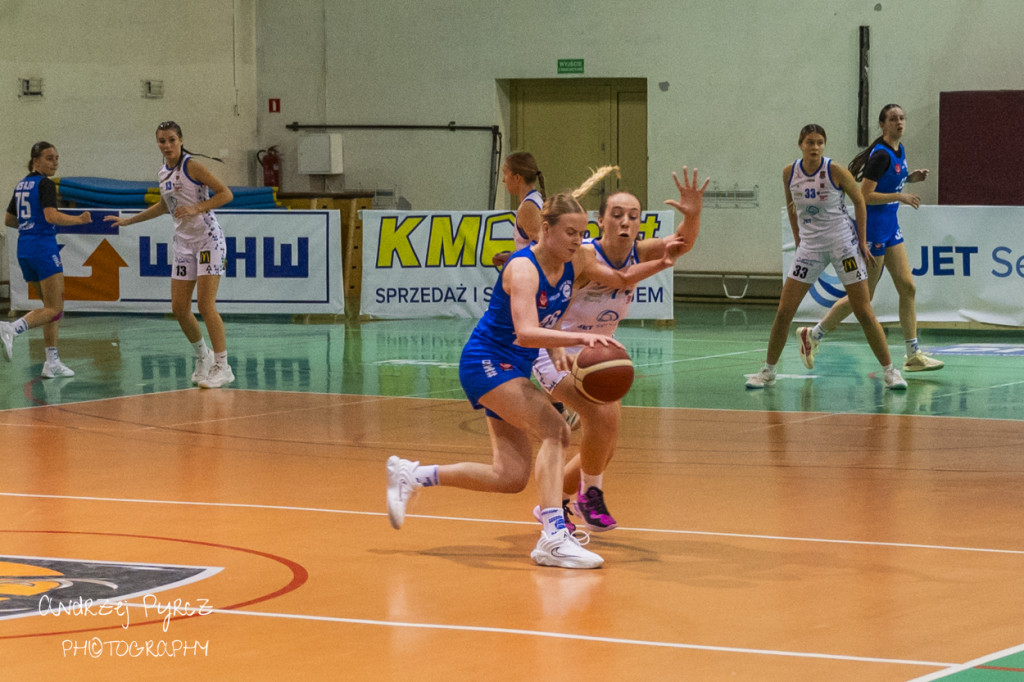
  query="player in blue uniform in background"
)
[
  {"x": 33, "y": 210},
  {"x": 882, "y": 171},
  {"x": 529, "y": 299}
]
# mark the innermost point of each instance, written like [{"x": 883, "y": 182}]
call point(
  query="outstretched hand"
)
[
  {"x": 676, "y": 248},
  {"x": 691, "y": 199},
  {"x": 919, "y": 175}
]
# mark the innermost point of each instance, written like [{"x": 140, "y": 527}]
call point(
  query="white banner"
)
[
  {"x": 277, "y": 262},
  {"x": 967, "y": 261},
  {"x": 439, "y": 264}
]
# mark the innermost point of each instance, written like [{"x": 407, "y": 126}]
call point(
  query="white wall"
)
[
  {"x": 744, "y": 76},
  {"x": 93, "y": 57}
]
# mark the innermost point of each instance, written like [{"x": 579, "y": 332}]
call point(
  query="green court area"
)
[
  {"x": 699, "y": 361},
  {"x": 998, "y": 669}
]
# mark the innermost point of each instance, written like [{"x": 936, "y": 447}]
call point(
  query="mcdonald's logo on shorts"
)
[
  {"x": 204, "y": 257},
  {"x": 849, "y": 264}
]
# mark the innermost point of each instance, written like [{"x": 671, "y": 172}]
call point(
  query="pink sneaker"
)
[{"x": 590, "y": 507}]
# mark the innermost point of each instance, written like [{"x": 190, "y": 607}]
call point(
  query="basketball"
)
[{"x": 603, "y": 373}]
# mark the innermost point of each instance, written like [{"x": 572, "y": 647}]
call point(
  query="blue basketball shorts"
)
[
  {"x": 482, "y": 369},
  {"x": 39, "y": 259},
  {"x": 883, "y": 231}
]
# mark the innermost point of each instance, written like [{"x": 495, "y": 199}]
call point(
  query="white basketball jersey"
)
[
  {"x": 821, "y": 215},
  {"x": 595, "y": 307},
  {"x": 178, "y": 189},
  {"x": 532, "y": 197}
]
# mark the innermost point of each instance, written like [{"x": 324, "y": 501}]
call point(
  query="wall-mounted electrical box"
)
[
  {"x": 30, "y": 87},
  {"x": 320, "y": 154},
  {"x": 152, "y": 89}
]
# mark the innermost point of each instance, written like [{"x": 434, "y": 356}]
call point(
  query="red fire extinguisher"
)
[{"x": 271, "y": 162}]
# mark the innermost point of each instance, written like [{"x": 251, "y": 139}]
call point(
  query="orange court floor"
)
[{"x": 820, "y": 529}]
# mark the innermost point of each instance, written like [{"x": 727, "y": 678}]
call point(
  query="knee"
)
[
  {"x": 863, "y": 314},
  {"x": 181, "y": 309},
  {"x": 512, "y": 481},
  {"x": 907, "y": 288},
  {"x": 862, "y": 311},
  {"x": 552, "y": 426},
  {"x": 207, "y": 310},
  {"x": 55, "y": 311}
]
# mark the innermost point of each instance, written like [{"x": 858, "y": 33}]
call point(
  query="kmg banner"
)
[
  {"x": 439, "y": 264},
  {"x": 967, "y": 261},
  {"x": 280, "y": 262}
]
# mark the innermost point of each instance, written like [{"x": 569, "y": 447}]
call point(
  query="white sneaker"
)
[
  {"x": 202, "y": 368},
  {"x": 7, "y": 339},
  {"x": 808, "y": 346},
  {"x": 401, "y": 487},
  {"x": 763, "y": 378},
  {"x": 56, "y": 369},
  {"x": 220, "y": 375},
  {"x": 564, "y": 551},
  {"x": 919, "y": 362},
  {"x": 894, "y": 380}
]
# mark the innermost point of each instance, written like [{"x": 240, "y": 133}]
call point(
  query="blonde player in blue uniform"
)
[
  {"x": 529, "y": 299},
  {"x": 882, "y": 171},
  {"x": 199, "y": 250},
  {"x": 597, "y": 308},
  {"x": 824, "y": 233},
  {"x": 33, "y": 210}
]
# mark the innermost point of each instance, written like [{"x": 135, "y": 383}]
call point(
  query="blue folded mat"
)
[{"x": 90, "y": 192}]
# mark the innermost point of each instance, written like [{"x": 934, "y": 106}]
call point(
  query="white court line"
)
[
  {"x": 704, "y": 357},
  {"x": 988, "y": 658},
  {"x": 578, "y": 637},
  {"x": 748, "y": 536}
]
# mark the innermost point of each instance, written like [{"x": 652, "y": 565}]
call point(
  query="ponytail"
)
[
  {"x": 594, "y": 178},
  {"x": 857, "y": 164},
  {"x": 569, "y": 202},
  {"x": 540, "y": 184}
]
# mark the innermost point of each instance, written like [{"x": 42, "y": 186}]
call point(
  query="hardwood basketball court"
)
[{"x": 874, "y": 540}]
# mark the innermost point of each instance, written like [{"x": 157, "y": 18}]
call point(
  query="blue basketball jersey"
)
[
  {"x": 891, "y": 182},
  {"x": 32, "y": 195},
  {"x": 496, "y": 328}
]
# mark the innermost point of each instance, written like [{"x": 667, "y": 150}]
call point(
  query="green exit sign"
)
[{"x": 570, "y": 66}]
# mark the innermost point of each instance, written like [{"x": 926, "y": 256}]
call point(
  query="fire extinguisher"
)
[{"x": 271, "y": 162}]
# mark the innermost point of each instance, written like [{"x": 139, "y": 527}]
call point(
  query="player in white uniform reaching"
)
[
  {"x": 524, "y": 179},
  {"x": 597, "y": 309},
  {"x": 199, "y": 250},
  {"x": 824, "y": 233}
]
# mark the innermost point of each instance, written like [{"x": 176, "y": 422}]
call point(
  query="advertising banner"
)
[
  {"x": 279, "y": 262},
  {"x": 419, "y": 264},
  {"x": 967, "y": 262}
]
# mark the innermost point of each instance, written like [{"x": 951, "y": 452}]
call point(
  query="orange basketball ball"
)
[{"x": 603, "y": 373}]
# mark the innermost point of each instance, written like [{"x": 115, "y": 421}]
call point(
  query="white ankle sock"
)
[
  {"x": 553, "y": 519},
  {"x": 426, "y": 475},
  {"x": 588, "y": 481}
]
